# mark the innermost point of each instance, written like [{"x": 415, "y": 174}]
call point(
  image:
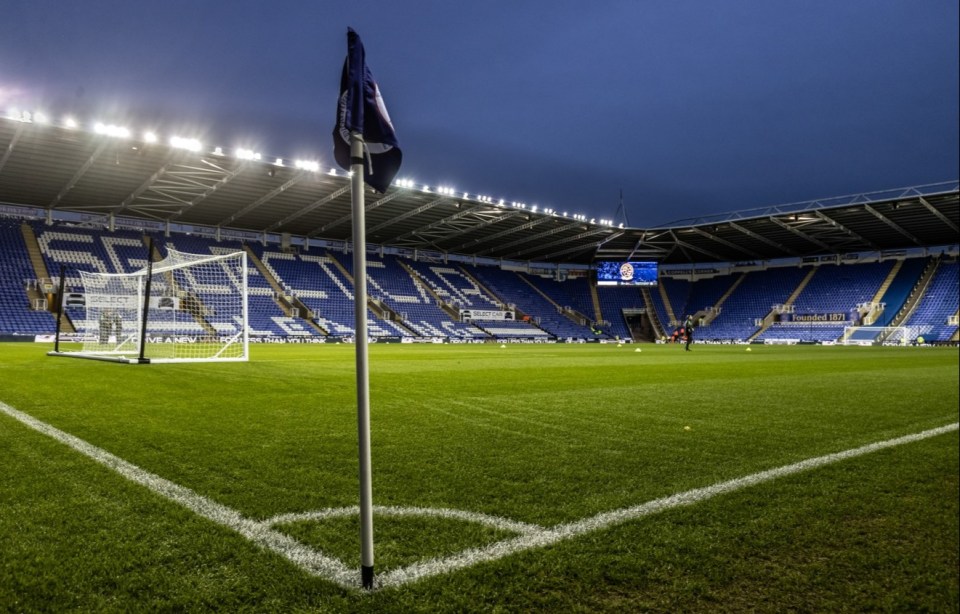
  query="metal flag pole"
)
[{"x": 363, "y": 375}]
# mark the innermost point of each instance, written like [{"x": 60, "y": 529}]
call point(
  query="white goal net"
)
[
  {"x": 878, "y": 335},
  {"x": 187, "y": 307}
]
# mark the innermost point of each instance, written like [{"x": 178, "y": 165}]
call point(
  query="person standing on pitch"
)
[{"x": 688, "y": 329}]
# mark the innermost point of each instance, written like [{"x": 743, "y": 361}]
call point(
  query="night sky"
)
[{"x": 691, "y": 108}]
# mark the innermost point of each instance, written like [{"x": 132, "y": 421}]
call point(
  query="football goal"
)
[
  {"x": 184, "y": 308},
  {"x": 877, "y": 335}
]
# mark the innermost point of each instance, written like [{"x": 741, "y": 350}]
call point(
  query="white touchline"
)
[{"x": 530, "y": 535}]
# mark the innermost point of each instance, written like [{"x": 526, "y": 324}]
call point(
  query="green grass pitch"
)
[{"x": 536, "y": 434}]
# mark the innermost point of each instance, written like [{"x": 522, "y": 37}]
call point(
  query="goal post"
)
[
  {"x": 184, "y": 308},
  {"x": 878, "y": 335}
]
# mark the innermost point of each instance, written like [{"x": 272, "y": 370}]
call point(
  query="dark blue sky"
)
[{"x": 691, "y": 107}]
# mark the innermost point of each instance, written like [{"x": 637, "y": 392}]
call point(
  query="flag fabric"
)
[{"x": 361, "y": 109}]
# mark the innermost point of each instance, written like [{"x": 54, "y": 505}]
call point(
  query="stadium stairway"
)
[
  {"x": 659, "y": 332},
  {"x": 379, "y": 308},
  {"x": 595, "y": 297},
  {"x": 666, "y": 304},
  {"x": 447, "y": 308},
  {"x": 918, "y": 291},
  {"x": 771, "y": 317},
  {"x": 288, "y": 302},
  {"x": 571, "y": 314},
  {"x": 42, "y": 273},
  {"x": 709, "y": 315},
  {"x": 877, "y": 306}
]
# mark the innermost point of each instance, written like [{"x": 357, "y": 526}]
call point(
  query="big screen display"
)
[{"x": 632, "y": 273}]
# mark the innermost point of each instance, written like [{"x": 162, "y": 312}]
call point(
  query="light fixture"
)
[{"x": 185, "y": 143}]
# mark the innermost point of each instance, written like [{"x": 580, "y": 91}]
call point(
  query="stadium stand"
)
[
  {"x": 752, "y": 300},
  {"x": 416, "y": 298},
  {"x": 16, "y": 315},
  {"x": 900, "y": 288},
  {"x": 937, "y": 305},
  {"x": 613, "y": 301},
  {"x": 543, "y": 315}
]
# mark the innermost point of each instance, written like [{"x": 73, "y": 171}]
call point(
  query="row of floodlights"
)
[{"x": 192, "y": 144}]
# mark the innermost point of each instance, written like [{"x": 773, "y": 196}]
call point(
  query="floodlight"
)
[
  {"x": 150, "y": 137},
  {"x": 111, "y": 130},
  {"x": 247, "y": 154},
  {"x": 185, "y": 143},
  {"x": 308, "y": 165}
]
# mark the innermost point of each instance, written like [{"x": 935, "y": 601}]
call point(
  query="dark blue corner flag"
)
[{"x": 361, "y": 109}]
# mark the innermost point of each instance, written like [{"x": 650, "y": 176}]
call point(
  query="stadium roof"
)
[{"x": 106, "y": 170}]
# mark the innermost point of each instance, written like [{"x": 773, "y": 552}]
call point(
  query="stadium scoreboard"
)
[{"x": 626, "y": 273}]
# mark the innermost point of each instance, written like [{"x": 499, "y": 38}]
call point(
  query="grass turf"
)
[{"x": 539, "y": 434}]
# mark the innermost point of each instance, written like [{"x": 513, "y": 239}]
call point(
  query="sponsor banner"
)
[
  {"x": 485, "y": 314},
  {"x": 111, "y": 301},
  {"x": 818, "y": 317},
  {"x": 108, "y": 301}
]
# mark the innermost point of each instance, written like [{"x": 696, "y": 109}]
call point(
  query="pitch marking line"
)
[{"x": 530, "y": 536}]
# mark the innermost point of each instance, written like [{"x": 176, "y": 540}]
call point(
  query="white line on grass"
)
[
  {"x": 257, "y": 532},
  {"x": 494, "y": 522},
  {"x": 604, "y": 520},
  {"x": 531, "y": 536}
]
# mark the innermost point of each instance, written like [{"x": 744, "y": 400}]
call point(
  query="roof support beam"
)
[
  {"x": 726, "y": 243},
  {"x": 836, "y": 224},
  {"x": 540, "y": 248},
  {"x": 305, "y": 210},
  {"x": 345, "y": 218},
  {"x": 762, "y": 239},
  {"x": 536, "y": 237},
  {"x": 265, "y": 198},
  {"x": 938, "y": 214},
  {"x": 79, "y": 174},
  {"x": 502, "y": 233},
  {"x": 440, "y": 223},
  {"x": 408, "y": 214},
  {"x": 11, "y": 146},
  {"x": 582, "y": 247},
  {"x": 488, "y": 222},
  {"x": 891, "y": 224},
  {"x": 800, "y": 234},
  {"x": 684, "y": 244},
  {"x": 226, "y": 177}
]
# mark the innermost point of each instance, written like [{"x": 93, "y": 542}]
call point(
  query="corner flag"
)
[{"x": 361, "y": 110}]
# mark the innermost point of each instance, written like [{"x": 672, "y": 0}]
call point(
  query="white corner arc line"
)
[
  {"x": 494, "y": 522},
  {"x": 531, "y": 536}
]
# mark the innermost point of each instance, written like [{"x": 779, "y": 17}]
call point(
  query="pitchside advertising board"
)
[
  {"x": 626, "y": 273},
  {"x": 485, "y": 314}
]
